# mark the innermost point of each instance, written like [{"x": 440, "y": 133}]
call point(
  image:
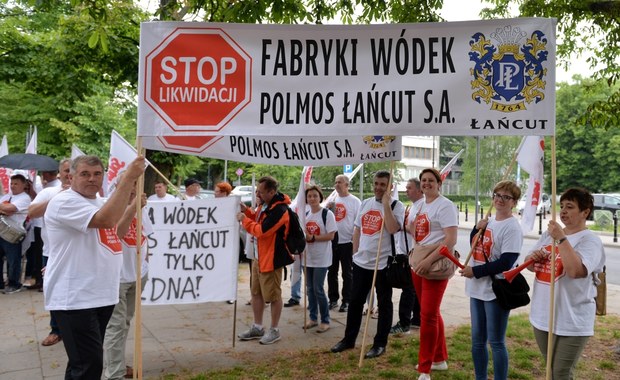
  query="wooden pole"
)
[
  {"x": 137, "y": 354},
  {"x": 374, "y": 275},
  {"x": 480, "y": 233},
  {"x": 553, "y": 257}
]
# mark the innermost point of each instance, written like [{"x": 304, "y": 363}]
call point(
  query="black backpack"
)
[
  {"x": 335, "y": 239},
  {"x": 296, "y": 239}
]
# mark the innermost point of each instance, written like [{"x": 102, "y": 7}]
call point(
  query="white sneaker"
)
[
  {"x": 439, "y": 366},
  {"x": 424, "y": 376},
  {"x": 272, "y": 336}
]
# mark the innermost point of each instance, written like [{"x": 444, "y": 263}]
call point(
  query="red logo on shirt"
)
[
  {"x": 484, "y": 247},
  {"x": 422, "y": 227},
  {"x": 109, "y": 239},
  {"x": 131, "y": 236},
  {"x": 313, "y": 228},
  {"x": 543, "y": 269},
  {"x": 371, "y": 222},
  {"x": 340, "y": 211}
]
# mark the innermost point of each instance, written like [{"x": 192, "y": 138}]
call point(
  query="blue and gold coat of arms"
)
[{"x": 509, "y": 74}]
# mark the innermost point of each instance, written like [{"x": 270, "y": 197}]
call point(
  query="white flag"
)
[
  {"x": 32, "y": 149},
  {"x": 76, "y": 152},
  {"x": 530, "y": 158},
  {"x": 5, "y": 173},
  {"x": 446, "y": 169},
  {"x": 299, "y": 203},
  {"x": 121, "y": 155}
]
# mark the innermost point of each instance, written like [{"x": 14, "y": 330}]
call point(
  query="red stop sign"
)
[{"x": 198, "y": 79}]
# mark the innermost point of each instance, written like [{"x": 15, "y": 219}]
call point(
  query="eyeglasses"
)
[{"x": 505, "y": 198}]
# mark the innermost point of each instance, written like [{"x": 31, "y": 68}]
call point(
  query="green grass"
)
[{"x": 598, "y": 361}]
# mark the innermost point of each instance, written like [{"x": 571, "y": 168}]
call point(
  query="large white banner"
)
[
  {"x": 494, "y": 77},
  {"x": 278, "y": 150},
  {"x": 193, "y": 251}
]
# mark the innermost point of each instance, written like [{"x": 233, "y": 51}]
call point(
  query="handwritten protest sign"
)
[{"x": 193, "y": 251}]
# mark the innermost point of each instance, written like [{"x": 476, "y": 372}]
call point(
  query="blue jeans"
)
[
  {"x": 317, "y": 299},
  {"x": 13, "y": 255},
  {"x": 488, "y": 324},
  {"x": 296, "y": 279}
]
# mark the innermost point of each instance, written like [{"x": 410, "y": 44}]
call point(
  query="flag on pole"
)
[
  {"x": 5, "y": 173},
  {"x": 32, "y": 149},
  {"x": 448, "y": 168},
  {"x": 121, "y": 154},
  {"x": 299, "y": 203},
  {"x": 76, "y": 152},
  {"x": 530, "y": 158}
]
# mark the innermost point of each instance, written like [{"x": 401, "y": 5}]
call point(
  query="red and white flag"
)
[
  {"x": 448, "y": 168},
  {"x": 121, "y": 155},
  {"x": 76, "y": 152},
  {"x": 530, "y": 158},
  {"x": 5, "y": 173}
]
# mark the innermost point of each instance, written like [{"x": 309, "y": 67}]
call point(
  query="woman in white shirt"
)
[
  {"x": 436, "y": 221},
  {"x": 320, "y": 230},
  {"x": 580, "y": 258},
  {"x": 495, "y": 251}
]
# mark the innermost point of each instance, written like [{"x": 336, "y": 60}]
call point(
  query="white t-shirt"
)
[
  {"x": 84, "y": 264},
  {"x": 401, "y": 245},
  {"x": 165, "y": 198},
  {"x": 345, "y": 210},
  {"x": 431, "y": 218},
  {"x": 319, "y": 253},
  {"x": 575, "y": 307},
  {"x": 128, "y": 269},
  {"x": 45, "y": 195},
  {"x": 369, "y": 221},
  {"x": 499, "y": 237},
  {"x": 21, "y": 201}
]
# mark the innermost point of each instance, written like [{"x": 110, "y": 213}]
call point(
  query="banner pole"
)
[
  {"x": 137, "y": 355},
  {"x": 553, "y": 257},
  {"x": 374, "y": 275}
]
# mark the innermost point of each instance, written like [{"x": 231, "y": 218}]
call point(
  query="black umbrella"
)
[{"x": 29, "y": 161}]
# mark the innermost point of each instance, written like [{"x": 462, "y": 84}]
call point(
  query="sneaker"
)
[
  {"x": 438, "y": 366},
  {"x": 424, "y": 376},
  {"x": 415, "y": 326},
  {"x": 12, "y": 289},
  {"x": 333, "y": 305},
  {"x": 291, "y": 302},
  {"x": 271, "y": 337},
  {"x": 399, "y": 329},
  {"x": 375, "y": 313},
  {"x": 253, "y": 333},
  {"x": 344, "y": 307}
]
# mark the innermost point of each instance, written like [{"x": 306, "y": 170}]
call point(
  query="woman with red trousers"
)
[{"x": 436, "y": 221}]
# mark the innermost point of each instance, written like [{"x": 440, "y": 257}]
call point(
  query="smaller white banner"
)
[
  {"x": 193, "y": 251},
  {"x": 284, "y": 150}
]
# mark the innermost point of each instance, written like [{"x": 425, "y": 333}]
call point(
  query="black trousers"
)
[
  {"x": 82, "y": 334},
  {"x": 34, "y": 257},
  {"x": 342, "y": 257},
  {"x": 362, "y": 282},
  {"x": 409, "y": 308}
]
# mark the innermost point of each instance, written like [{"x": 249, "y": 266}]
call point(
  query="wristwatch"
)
[{"x": 561, "y": 241}]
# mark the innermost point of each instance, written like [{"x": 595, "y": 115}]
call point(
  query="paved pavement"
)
[{"x": 193, "y": 338}]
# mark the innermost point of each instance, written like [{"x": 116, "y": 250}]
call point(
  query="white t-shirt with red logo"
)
[
  {"x": 130, "y": 254},
  {"x": 369, "y": 221},
  {"x": 319, "y": 253},
  {"x": 431, "y": 218},
  {"x": 84, "y": 264},
  {"x": 345, "y": 210},
  {"x": 575, "y": 307},
  {"x": 499, "y": 237},
  {"x": 403, "y": 247}
]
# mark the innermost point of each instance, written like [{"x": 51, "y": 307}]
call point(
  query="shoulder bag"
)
[
  {"x": 398, "y": 271},
  {"x": 510, "y": 295},
  {"x": 442, "y": 269}
]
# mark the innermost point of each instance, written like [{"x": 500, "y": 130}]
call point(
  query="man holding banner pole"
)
[
  {"x": 81, "y": 283},
  {"x": 375, "y": 211}
]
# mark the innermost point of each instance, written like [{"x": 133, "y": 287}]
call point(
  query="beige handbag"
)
[{"x": 442, "y": 269}]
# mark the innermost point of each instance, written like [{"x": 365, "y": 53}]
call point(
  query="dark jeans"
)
[
  {"x": 34, "y": 257},
  {"x": 362, "y": 282},
  {"x": 409, "y": 308},
  {"x": 82, "y": 334},
  {"x": 13, "y": 254},
  {"x": 342, "y": 257}
]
